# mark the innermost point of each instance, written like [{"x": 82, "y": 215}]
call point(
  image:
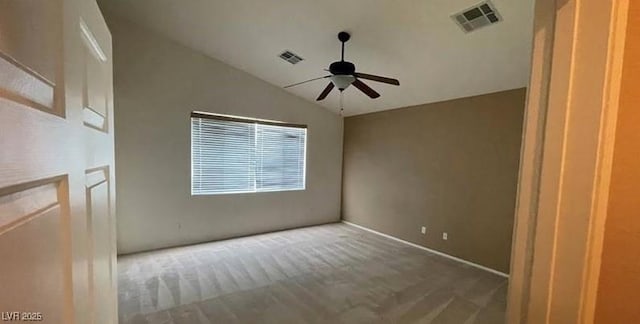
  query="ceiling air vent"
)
[
  {"x": 290, "y": 57},
  {"x": 478, "y": 16}
]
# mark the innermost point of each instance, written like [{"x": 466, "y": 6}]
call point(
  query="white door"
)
[{"x": 57, "y": 230}]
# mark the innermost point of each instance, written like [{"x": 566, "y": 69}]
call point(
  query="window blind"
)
[
  {"x": 279, "y": 158},
  {"x": 235, "y": 155}
]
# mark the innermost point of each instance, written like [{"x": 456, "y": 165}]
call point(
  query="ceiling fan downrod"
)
[{"x": 343, "y": 37}]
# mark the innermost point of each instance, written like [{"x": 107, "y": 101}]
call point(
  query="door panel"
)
[
  {"x": 37, "y": 215},
  {"x": 57, "y": 224},
  {"x": 23, "y": 85},
  {"x": 95, "y": 92},
  {"x": 41, "y": 50},
  {"x": 100, "y": 261}
]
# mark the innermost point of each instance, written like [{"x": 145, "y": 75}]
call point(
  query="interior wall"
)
[
  {"x": 157, "y": 83},
  {"x": 619, "y": 288},
  {"x": 450, "y": 166}
]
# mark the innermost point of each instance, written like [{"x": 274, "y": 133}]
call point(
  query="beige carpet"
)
[{"x": 323, "y": 274}]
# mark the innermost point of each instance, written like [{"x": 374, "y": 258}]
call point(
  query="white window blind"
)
[{"x": 234, "y": 155}]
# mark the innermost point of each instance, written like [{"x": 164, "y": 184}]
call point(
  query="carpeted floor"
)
[{"x": 324, "y": 274}]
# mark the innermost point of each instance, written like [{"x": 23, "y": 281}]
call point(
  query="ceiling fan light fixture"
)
[
  {"x": 344, "y": 73},
  {"x": 342, "y": 81}
]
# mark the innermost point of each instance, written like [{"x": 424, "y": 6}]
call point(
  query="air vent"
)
[
  {"x": 478, "y": 16},
  {"x": 290, "y": 57}
]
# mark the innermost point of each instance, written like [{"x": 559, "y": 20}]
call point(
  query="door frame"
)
[{"x": 566, "y": 158}]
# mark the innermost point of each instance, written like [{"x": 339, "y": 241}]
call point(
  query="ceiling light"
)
[{"x": 342, "y": 81}]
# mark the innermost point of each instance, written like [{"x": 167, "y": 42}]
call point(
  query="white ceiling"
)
[{"x": 414, "y": 41}]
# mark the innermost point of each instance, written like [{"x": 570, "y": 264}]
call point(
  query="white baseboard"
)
[{"x": 502, "y": 274}]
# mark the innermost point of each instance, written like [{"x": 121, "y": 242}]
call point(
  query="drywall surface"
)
[
  {"x": 450, "y": 166},
  {"x": 157, "y": 84}
]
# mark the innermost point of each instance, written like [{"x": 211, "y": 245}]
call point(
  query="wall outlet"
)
[
  {"x": 423, "y": 230},
  {"x": 445, "y": 236}
]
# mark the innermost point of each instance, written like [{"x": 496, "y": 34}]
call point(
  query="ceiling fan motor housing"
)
[{"x": 342, "y": 68}]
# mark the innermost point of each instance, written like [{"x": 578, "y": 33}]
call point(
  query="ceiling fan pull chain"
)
[{"x": 341, "y": 103}]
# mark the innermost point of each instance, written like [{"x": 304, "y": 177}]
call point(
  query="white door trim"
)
[{"x": 566, "y": 160}]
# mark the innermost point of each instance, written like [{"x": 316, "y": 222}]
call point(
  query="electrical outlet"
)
[
  {"x": 423, "y": 230},
  {"x": 445, "y": 236}
]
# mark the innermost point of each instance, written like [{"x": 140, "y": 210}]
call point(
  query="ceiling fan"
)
[{"x": 343, "y": 74}]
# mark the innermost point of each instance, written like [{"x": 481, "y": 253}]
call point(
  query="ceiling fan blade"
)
[
  {"x": 377, "y": 78},
  {"x": 299, "y": 83},
  {"x": 365, "y": 88},
  {"x": 326, "y": 91}
]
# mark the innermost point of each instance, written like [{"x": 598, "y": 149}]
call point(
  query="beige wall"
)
[
  {"x": 619, "y": 289},
  {"x": 450, "y": 166},
  {"x": 157, "y": 84}
]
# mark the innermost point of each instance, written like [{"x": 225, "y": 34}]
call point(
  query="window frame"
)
[{"x": 247, "y": 120}]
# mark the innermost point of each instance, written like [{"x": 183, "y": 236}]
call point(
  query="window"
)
[{"x": 236, "y": 155}]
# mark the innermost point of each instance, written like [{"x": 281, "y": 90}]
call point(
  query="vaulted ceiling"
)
[{"x": 415, "y": 41}]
